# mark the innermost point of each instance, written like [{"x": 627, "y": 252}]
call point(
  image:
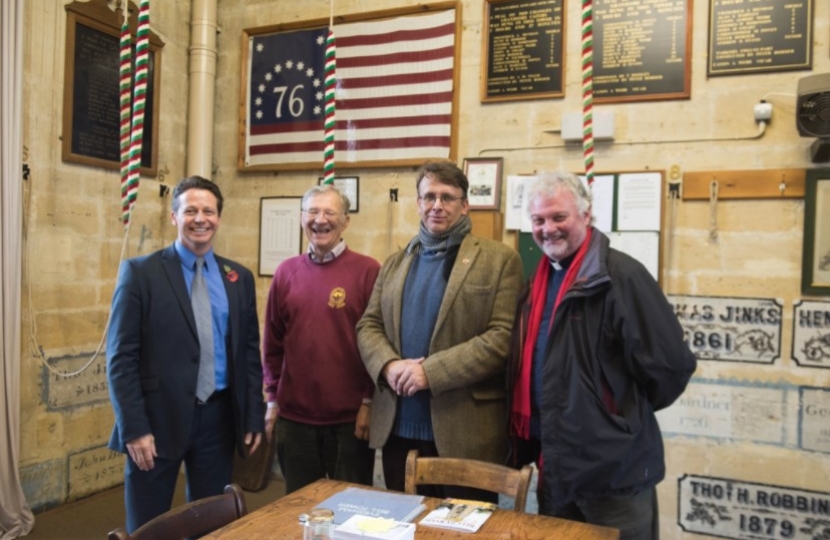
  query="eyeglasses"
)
[
  {"x": 445, "y": 198},
  {"x": 314, "y": 212}
]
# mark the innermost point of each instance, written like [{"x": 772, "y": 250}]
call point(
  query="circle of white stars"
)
[{"x": 289, "y": 65}]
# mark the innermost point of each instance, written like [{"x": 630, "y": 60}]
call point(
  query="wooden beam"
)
[
  {"x": 487, "y": 224},
  {"x": 753, "y": 184}
]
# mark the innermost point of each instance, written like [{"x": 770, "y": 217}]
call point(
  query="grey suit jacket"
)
[{"x": 468, "y": 351}]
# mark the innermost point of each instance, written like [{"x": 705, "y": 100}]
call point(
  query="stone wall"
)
[
  {"x": 72, "y": 246},
  {"x": 73, "y": 238}
]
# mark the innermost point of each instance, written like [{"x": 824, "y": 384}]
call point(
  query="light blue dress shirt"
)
[{"x": 218, "y": 305}]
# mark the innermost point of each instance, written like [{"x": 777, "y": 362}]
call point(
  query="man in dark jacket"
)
[
  {"x": 183, "y": 361},
  {"x": 597, "y": 350}
]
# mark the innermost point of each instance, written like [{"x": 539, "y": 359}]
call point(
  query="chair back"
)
[
  {"x": 192, "y": 519},
  {"x": 468, "y": 473}
]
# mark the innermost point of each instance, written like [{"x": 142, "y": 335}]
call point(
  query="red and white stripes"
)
[
  {"x": 129, "y": 188},
  {"x": 588, "y": 89},
  {"x": 329, "y": 123},
  {"x": 125, "y": 71}
]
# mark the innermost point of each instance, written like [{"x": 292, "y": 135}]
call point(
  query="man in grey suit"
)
[
  {"x": 435, "y": 337},
  {"x": 185, "y": 377}
]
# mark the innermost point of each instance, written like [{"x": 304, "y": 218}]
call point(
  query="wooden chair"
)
[
  {"x": 192, "y": 519},
  {"x": 468, "y": 473}
]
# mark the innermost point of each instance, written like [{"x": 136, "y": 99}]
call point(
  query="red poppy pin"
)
[{"x": 231, "y": 274}]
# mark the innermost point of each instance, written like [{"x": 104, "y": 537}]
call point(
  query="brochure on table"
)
[
  {"x": 360, "y": 527},
  {"x": 459, "y": 515},
  {"x": 373, "y": 503}
]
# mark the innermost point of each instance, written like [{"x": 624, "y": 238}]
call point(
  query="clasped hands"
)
[{"x": 406, "y": 376}]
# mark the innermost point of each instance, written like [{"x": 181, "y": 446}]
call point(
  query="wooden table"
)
[{"x": 278, "y": 521}]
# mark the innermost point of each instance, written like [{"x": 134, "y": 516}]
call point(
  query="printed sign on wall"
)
[
  {"x": 86, "y": 386},
  {"x": 731, "y": 329},
  {"x": 814, "y": 419},
  {"x": 94, "y": 470},
  {"x": 736, "y": 410},
  {"x": 749, "y": 511},
  {"x": 811, "y": 334},
  {"x": 732, "y": 410}
]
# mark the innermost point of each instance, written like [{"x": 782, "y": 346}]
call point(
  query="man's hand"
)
[
  {"x": 143, "y": 451},
  {"x": 407, "y": 376},
  {"x": 392, "y": 371},
  {"x": 270, "y": 420},
  {"x": 252, "y": 441},
  {"x": 361, "y": 424},
  {"x": 413, "y": 378}
]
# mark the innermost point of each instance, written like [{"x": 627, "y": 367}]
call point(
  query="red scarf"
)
[{"x": 520, "y": 413}]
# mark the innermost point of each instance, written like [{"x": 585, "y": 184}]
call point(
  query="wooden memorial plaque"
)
[
  {"x": 757, "y": 36},
  {"x": 642, "y": 50},
  {"x": 523, "y": 50},
  {"x": 91, "y": 103}
]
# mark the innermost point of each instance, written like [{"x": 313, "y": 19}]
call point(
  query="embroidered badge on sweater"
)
[{"x": 337, "y": 298}]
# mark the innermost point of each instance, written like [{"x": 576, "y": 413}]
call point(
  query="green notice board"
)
[{"x": 529, "y": 252}]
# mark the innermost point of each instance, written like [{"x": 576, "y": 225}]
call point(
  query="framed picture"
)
[
  {"x": 280, "y": 233},
  {"x": 484, "y": 175},
  {"x": 815, "y": 266},
  {"x": 350, "y": 187}
]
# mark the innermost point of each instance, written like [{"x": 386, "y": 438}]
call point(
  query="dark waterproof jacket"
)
[{"x": 615, "y": 338}]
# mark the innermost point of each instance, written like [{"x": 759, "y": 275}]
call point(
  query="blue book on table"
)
[{"x": 367, "y": 502}]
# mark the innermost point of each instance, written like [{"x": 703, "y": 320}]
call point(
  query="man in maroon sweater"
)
[{"x": 317, "y": 388}]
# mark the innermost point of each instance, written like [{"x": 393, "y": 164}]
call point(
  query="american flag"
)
[{"x": 394, "y": 93}]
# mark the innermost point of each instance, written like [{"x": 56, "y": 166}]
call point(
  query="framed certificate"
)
[
  {"x": 484, "y": 175},
  {"x": 350, "y": 187}
]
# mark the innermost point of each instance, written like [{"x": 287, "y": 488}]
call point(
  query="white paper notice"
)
[
  {"x": 279, "y": 232},
  {"x": 638, "y": 201},
  {"x": 517, "y": 217},
  {"x": 602, "y": 201},
  {"x": 643, "y": 246}
]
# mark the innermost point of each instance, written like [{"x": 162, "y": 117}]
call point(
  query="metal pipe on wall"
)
[{"x": 202, "y": 82}]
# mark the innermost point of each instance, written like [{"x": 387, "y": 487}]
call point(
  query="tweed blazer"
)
[{"x": 468, "y": 351}]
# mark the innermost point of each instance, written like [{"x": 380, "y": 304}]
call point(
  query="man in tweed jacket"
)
[{"x": 436, "y": 334}]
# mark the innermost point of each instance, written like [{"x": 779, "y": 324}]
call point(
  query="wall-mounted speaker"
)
[{"x": 812, "y": 114}]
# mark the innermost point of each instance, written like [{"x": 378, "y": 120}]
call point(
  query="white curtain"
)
[{"x": 15, "y": 515}]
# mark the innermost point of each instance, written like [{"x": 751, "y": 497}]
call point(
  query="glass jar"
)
[{"x": 319, "y": 525}]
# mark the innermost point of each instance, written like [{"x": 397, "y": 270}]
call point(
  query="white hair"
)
[{"x": 548, "y": 183}]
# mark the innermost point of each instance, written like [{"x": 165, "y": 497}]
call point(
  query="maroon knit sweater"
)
[{"x": 311, "y": 363}]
